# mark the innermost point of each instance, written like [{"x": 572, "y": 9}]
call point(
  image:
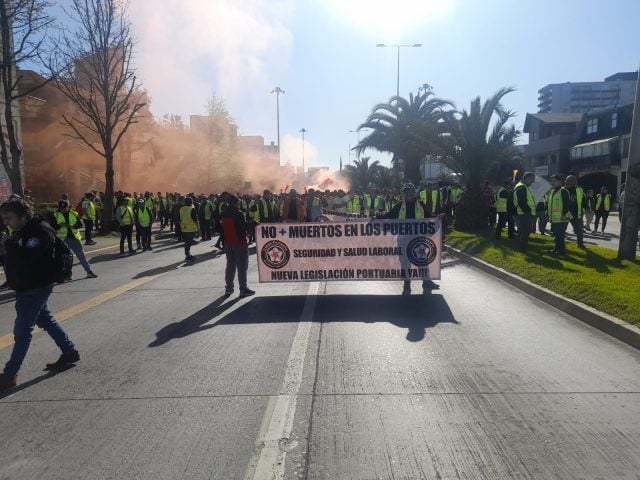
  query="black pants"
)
[
  {"x": 205, "y": 228},
  {"x": 601, "y": 215},
  {"x": 578, "y": 229},
  {"x": 188, "y": 242},
  {"x": 126, "y": 231},
  {"x": 558, "y": 230},
  {"x": 505, "y": 219},
  {"x": 525, "y": 223},
  {"x": 88, "y": 230}
]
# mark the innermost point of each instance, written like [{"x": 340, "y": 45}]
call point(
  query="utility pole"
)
[
  {"x": 631, "y": 207},
  {"x": 278, "y": 91},
  {"x": 397, "y": 47},
  {"x": 303, "y": 131}
]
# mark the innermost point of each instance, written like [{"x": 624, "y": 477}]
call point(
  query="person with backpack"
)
[
  {"x": 67, "y": 224},
  {"x": 32, "y": 265}
]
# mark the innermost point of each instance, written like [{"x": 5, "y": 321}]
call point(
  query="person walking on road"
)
[
  {"x": 89, "y": 217},
  {"x": 30, "y": 270},
  {"x": 67, "y": 224},
  {"x": 577, "y": 202},
  {"x": 525, "y": 205},
  {"x": 236, "y": 248},
  {"x": 188, "y": 227},
  {"x": 602, "y": 208},
  {"x": 125, "y": 219},
  {"x": 411, "y": 208},
  {"x": 559, "y": 214}
]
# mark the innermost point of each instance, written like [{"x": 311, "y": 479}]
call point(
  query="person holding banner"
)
[{"x": 411, "y": 208}]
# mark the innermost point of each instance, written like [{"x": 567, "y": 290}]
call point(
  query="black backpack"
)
[{"x": 62, "y": 261}]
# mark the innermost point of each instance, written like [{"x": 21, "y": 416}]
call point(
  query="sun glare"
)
[{"x": 390, "y": 18}]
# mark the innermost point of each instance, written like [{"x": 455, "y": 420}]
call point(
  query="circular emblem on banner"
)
[
  {"x": 275, "y": 254},
  {"x": 421, "y": 251}
]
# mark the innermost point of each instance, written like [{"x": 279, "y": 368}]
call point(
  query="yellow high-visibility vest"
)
[
  {"x": 144, "y": 217},
  {"x": 89, "y": 210},
  {"x": 126, "y": 215},
  {"x": 187, "y": 224},
  {"x": 555, "y": 206},
  {"x": 62, "y": 230},
  {"x": 419, "y": 210},
  {"x": 353, "y": 206},
  {"x": 501, "y": 202},
  {"x": 531, "y": 202},
  {"x": 607, "y": 201}
]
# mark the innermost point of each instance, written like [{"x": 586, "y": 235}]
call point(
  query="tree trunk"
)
[
  {"x": 107, "y": 203},
  {"x": 472, "y": 211},
  {"x": 15, "y": 176},
  {"x": 412, "y": 170}
]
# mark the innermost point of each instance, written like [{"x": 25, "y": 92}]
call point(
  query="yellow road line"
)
[{"x": 7, "y": 340}]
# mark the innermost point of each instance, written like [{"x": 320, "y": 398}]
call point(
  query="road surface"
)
[{"x": 315, "y": 381}]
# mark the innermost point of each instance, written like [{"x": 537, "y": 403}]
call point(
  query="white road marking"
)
[{"x": 277, "y": 423}]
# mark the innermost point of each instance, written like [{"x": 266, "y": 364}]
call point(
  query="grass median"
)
[{"x": 593, "y": 276}]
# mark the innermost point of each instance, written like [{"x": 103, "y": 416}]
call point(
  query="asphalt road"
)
[{"x": 316, "y": 381}]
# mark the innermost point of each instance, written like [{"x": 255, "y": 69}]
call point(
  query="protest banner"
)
[{"x": 374, "y": 250}]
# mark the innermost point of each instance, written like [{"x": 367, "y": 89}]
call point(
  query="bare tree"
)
[
  {"x": 96, "y": 74},
  {"x": 23, "y": 38}
]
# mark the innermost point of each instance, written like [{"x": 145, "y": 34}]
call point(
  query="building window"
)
[
  {"x": 614, "y": 120},
  {"x": 592, "y": 126}
]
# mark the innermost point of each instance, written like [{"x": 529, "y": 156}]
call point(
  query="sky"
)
[{"x": 323, "y": 54}]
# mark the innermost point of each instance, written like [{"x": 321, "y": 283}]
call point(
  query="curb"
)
[{"x": 604, "y": 322}]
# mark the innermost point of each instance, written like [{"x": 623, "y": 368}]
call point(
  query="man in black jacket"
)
[{"x": 29, "y": 267}]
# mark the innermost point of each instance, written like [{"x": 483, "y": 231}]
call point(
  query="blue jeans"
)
[
  {"x": 32, "y": 310},
  {"x": 558, "y": 230},
  {"x": 76, "y": 247}
]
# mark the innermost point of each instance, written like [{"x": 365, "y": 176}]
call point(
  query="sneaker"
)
[
  {"x": 132, "y": 252},
  {"x": 65, "y": 360},
  {"x": 246, "y": 293},
  {"x": 582, "y": 246},
  {"x": 122, "y": 254},
  {"x": 7, "y": 382},
  {"x": 228, "y": 292},
  {"x": 190, "y": 259},
  {"x": 150, "y": 249},
  {"x": 91, "y": 275}
]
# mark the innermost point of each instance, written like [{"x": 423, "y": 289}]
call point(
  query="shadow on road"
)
[
  {"x": 33, "y": 381},
  {"x": 175, "y": 265},
  {"x": 416, "y": 314},
  {"x": 193, "y": 323}
]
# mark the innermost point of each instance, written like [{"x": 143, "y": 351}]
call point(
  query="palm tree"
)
[
  {"x": 475, "y": 143},
  {"x": 362, "y": 174},
  {"x": 408, "y": 129}
]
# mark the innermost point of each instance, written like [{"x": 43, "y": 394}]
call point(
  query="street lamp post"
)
[
  {"x": 278, "y": 91},
  {"x": 397, "y": 47},
  {"x": 303, "y": 131}
]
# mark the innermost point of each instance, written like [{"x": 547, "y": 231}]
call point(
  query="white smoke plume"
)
[
  {"x": 292, "y": 151},
  {"x": 187, "y": 49}
]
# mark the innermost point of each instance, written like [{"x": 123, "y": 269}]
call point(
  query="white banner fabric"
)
[{"x": 374, "y": 250}]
